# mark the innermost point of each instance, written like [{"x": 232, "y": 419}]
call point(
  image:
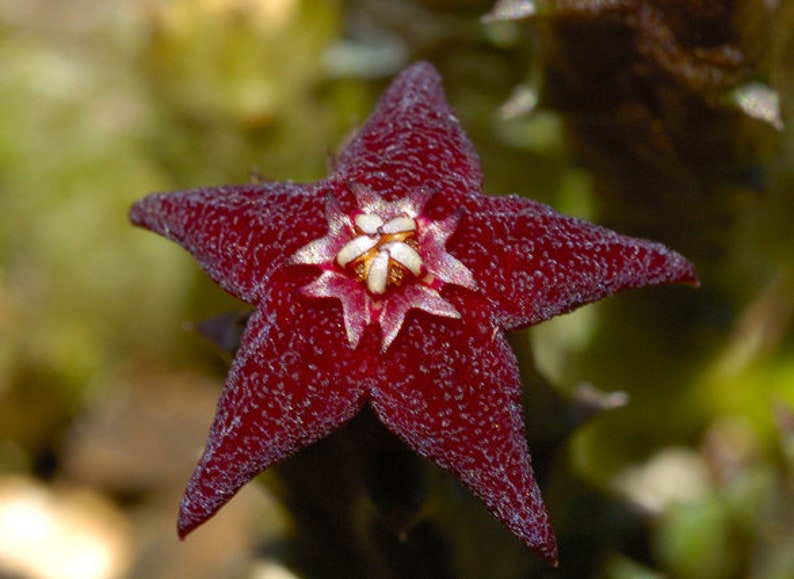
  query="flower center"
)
[
  {"x": 382, "y": 253},
  {"x": 379, "y": 246}
]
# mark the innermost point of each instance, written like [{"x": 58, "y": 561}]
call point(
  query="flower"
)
[{"x": 392, "y": 283}]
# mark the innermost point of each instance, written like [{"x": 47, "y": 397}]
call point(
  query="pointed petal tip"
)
[
  {"x": 142, "y": 212},
  {"x": 136, "y": 213},
  {"x": 685, "y": 271},
  {"x": 667, "y": 266},
  {"x": 546, "y": 549},
  {"x": 691, "y": 277},
  {"x": 422, "y": 68},
  {"x": 184, "y": 526},
  {"x": 543, "y": 542},
  {"x": 200, "y": 502},
  {"x": 537, "y": 534},
  {"x": 549, "y": 551},
  {"x": 194, "y": 513},
  {"x": 421, "y": 76},
  {"x": 550, "y": 556}
]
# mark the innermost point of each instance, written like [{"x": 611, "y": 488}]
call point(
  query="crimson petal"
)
[
  {"x": 285, "y": 390},
  {"x": 455, "y": 398},
  {"x": 239, "y": 234},
  {"x": 413, "y": 140},
  {"x": 534, "y": 263}
]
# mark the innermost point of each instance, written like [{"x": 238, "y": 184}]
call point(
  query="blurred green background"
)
[{"x": 660, "y": 119}]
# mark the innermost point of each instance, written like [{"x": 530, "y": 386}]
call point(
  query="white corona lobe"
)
[
  {"x": 405, "y": 255},
  {"x": 398, "y": 225},
  {"x": 355, "y": 248},
  {"x": 381, "y": 264},
  {"x": 369, "y": 223},
  {"x": 378, "y": 275}
]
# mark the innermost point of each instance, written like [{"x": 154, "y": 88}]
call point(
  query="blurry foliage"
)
[{"x": 661, "y": 119}]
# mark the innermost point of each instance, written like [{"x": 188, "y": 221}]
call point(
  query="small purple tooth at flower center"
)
[{"x": 382, "y": 254}]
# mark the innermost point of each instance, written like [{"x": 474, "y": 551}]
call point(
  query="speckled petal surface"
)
[
  {"x": 286, "y": 389},
  {"x": 534, "y": 263},
  {"x": 413, "y": 140},
  {"x": 420, "y": 334},
  {"x": 459, "y": 404},
  {"x": 238, "y": 233}
]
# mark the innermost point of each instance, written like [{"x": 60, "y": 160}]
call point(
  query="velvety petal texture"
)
[
  {"x": 391, "y": 283},
  {"x": 413, "y": 140},
  {"x": 285, "y": 390},
  {"x": 459, "y": 404},
  {"x": 239, "y": 234},
  {"x": 534, "y": 263}
]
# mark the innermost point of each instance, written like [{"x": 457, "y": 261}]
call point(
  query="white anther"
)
[
  {"x": 398, "y": 225},
  {"x": 378, "y": 273},
  {"x": 369, "y": 223},
  {"x": 354, "y": 248},
  {"x": 405, "y": 255}
]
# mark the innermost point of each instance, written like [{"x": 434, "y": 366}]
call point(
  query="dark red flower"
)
[{"x": 392, "y": 283}]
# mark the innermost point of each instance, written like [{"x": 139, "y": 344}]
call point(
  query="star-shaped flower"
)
[{"x": 392, "y": 283}]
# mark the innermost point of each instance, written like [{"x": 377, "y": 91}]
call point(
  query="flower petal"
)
[
  {"x": 240, "y": 234},
  {"x": 413, "y": 140},
  {"x": 286, "y": 389},
  {"x": 454, "y": 398},
  {"x": 534, "y": 263}
]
